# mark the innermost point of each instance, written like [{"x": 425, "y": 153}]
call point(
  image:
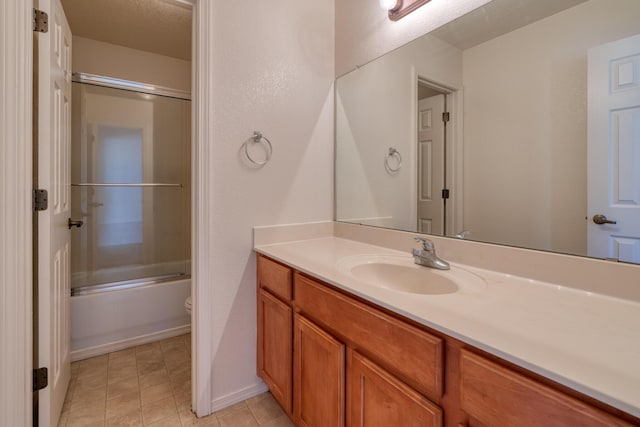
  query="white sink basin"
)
[{"x": 400, "y": 273}]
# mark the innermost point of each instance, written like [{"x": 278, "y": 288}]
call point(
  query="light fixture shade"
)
[{"x": 388, "y": 4}]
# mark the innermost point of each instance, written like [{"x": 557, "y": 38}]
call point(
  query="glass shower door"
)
[{"x": 130, "y": 187}]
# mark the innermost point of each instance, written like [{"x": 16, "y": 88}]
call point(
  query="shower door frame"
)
[{"x": 89, "y": 159}]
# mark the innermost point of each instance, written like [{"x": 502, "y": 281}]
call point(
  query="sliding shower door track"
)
[{"x": 127, "y": 284}]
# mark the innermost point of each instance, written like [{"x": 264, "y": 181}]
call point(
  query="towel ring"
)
[
  {"x": 393, "y": 155},
  {"x": 257, "y": 139}
]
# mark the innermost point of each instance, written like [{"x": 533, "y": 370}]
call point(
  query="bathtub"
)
[{"x": 110, "y": 321}]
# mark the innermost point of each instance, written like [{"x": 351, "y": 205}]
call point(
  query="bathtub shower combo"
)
[{"x": 131, "y": 203}]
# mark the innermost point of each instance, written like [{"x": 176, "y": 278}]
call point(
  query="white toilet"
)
[{"x": 187, "y": 305}]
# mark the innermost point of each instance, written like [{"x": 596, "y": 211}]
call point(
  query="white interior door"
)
[
  {"x": 54, "y": 145},
  {"x": 614, "y": 150},
  {"x": 431, "y": 165}
]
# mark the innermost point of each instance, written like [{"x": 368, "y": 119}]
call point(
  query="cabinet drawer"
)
[
  {"x": 497, "y": 396},
  {"x": 274, "y": 277},
  {"x": 411, "y": 354}
]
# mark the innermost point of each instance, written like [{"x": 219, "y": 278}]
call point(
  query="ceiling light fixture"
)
[
  {"x": 389, "y": 4},
  {"x": 400, "y": 8}
]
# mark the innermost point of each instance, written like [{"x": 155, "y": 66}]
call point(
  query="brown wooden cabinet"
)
[
  {"x": 318, "y": 376},
  {"x": 275, "y": 349},
  {"x": 497, "y": 396},
  {"x": 377, "y": 399},
  {"x": 275, "y": 331},
  {"x": 332, "y": 359}
]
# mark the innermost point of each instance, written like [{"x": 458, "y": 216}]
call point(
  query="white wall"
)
[
  {"x": 510, "y": 131},
  {"x": 364, "y": 32},
  {"x": 273, "y": 72},
  {"x": 375, "y": 110},
  {"x": 105, "y": 59}
]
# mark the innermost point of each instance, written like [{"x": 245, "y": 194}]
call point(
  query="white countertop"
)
[{"x": 586, "y": 341}]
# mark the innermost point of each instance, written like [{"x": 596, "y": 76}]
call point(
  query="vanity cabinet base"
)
[{"x": 334, "y": 359}]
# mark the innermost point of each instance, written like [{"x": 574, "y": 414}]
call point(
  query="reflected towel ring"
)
[
  {"x": 394, "y": 155},
  {"x": 257, "y": 139}
]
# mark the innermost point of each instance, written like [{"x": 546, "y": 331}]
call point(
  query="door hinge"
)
[
  {"x": 445, "y": 193},
  {"x": 446, "y": 117},
  {"x": 40, "y": 21},
  {"x": 40, "y": 200},
  {"x": 40, "y": 378}
]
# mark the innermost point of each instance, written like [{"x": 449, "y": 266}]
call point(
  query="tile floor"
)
[{"x": 150, "y": 385}]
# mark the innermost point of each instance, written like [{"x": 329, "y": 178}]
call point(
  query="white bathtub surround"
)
[
  {"x": 556, "y": 327},
  {"x": 115, "y": 320}
]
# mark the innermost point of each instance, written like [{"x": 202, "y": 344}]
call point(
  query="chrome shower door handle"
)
[
  {"x": 602, "y": 219},
  {"x": 74, "y": 223}
]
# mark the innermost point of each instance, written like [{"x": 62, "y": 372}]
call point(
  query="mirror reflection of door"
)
[
  {"x": 614, "y": 150},
  {"x": 431, "y": 160}
]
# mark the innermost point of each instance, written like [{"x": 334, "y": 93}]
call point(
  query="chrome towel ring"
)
[
  {"x": 393, "y": 160},
  {"x": 258, "y": 138}
]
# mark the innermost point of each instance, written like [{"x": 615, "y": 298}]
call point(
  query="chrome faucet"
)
[{"x": 427, "y": 255}]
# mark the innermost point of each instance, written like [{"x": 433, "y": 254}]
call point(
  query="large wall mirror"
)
[{"x": 517, "y": 124}]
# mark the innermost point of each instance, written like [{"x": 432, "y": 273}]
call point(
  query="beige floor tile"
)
[
  {"x": 239, "y": 418},
  {"x": 155, "y": 378},
  {"x": 171, "y": 421},
  {"x": 183, "y": 400},
  {"x": 85, "y": 383},
  {"x": 75, "y": 367},
  {"x": 181, "y": 387},
  {"x": 171, "y": 343},
  {"x": 148, "y": 346},
  {"x": 182, "y": 371},
  {"x": 265, "y": 409},
  {"x": 189, "y": 419},
  {"x": 129, "y": 419},
  {"x": 86, "y": 415},
  {"x": 93, "y": 366},
  {"x": 123, "y": 404},
  {"x": 159, "y": 410},
  {"x": 282, "y": 421},
  {"x": 155, "y": 393},
  {"x": 122, "y": 362},
  {"x": 150, "y": 366},
  {"x": 118, "y": 388},
  {"x": 123, "y": 373},
  {"x": 177, "y": 364},
  {"x": 176, "y": 354},
  {"x": 241, "y": 406},
  {"x": 127, "y": 352},
  {"x": 93, "y": 397},
  {"x": 148, "y": 355}
]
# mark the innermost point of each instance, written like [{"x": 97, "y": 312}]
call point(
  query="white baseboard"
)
[
  {"x": 99, "y": 350},
  {"x": 238, "y": 396}
]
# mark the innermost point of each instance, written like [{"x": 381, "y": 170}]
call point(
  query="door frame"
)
[
  {"x": 16, "y": 117},
  {"x": 455, "y": 149},
  {"x": 16, "y": 158}
]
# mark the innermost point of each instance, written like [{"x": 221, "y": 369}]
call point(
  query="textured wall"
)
[{"x": 273, "y": 65}]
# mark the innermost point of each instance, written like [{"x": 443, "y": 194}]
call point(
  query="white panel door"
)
[
  {"x": 614, "y": 149},
  {"x": 54, "y": 156},
  {"x": 431, "y": 165}
]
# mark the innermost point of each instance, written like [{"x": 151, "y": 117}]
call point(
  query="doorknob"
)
[
  {"x": 73, "y": 223},
  {"x": 602, "y": 219}
]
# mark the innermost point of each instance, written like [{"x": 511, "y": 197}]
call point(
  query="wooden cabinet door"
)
[
  {"x": 318, "y": 376},
  {"x": 275, "y": 347},
  {"x": 377, "y": 399},
  {"x": 499, "y": 397}
]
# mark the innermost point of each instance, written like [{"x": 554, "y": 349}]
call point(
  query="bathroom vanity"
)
[{"x": 338, "y": 344}]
